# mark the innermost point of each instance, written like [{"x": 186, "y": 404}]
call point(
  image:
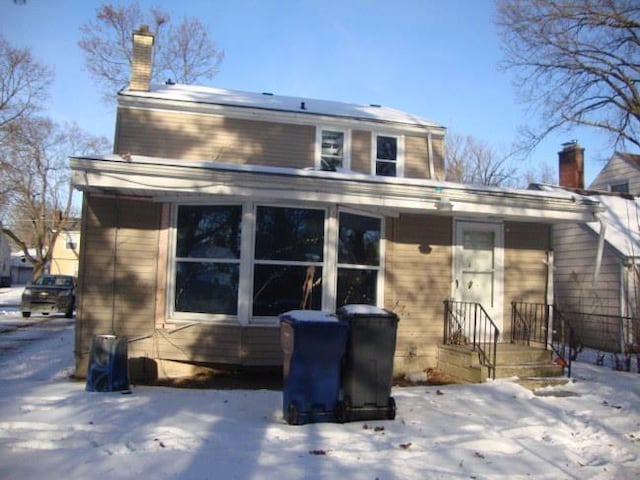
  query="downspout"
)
[{"x": 600, "y": 249}]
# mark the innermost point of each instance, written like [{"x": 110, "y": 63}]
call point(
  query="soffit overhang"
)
[{"x": 178, "y": 181}]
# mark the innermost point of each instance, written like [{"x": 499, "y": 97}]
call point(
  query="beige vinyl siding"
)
[
  {"x": 575, "y": 251},
  {"x": 525, "y": 270},
  {"x": 361, "y": 151},
  {"x": 418, "y": 266},
  {"x": 618, "y": 171},
  {"x": 416, "y": 157},
  {"x": 575, "y": 254},
  {"x": 208, "y": 137},
  {"x": 438, "y": 157},
  {"x": 117, "y": 290},
  {"x": 221, "y": 344}
]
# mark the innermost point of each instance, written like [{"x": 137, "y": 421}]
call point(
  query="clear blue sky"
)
[{"x": 436, "y": 59}]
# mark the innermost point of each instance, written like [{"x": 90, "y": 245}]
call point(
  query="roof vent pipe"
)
[{"x": 303, "y": 106}]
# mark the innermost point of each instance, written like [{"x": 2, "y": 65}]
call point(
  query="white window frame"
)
[
  {"x": 329, "y": 265},
  {"x": 380, "y": 268},
  {"x": 176, "y": 316},
  {"x": 268, "y": 320},
  {"x": 346, "y": 147},
  {"x": 399, "y": 153}
]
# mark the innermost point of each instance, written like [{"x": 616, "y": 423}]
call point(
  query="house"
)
[
  {"x": 66, "y": 254},
  {"x": 221, "y": 209},
  {"x": 596, "y": 263}
]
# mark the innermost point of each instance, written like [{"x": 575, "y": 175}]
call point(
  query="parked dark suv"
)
[{"x": 50, "y": 294}]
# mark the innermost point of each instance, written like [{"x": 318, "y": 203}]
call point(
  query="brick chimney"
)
[
  {"x": 142, "y": 59},
  {"x": 571, "y": 165}
]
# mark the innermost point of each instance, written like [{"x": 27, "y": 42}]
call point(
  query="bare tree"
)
[
  {"x": 474, "y": 162},
  {"x": 23, "y": 84},
  {"x": 34, "y": 181},
  {"x": 184, "y": 54},
  {"x": 576, "y": 62}
]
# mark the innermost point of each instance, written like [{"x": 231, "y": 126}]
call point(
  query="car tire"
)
[{"x": 26, "y": 314}]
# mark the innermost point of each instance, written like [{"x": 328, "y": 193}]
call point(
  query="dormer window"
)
[
  {"x": 333, "y": 149},
  {"x": 388, "y": 153}
]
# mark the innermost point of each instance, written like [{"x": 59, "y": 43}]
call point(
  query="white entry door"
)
[{"x": 478, "y": 266}]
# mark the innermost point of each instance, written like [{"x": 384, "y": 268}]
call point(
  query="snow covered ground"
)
[{"x": 50, "y": 427}]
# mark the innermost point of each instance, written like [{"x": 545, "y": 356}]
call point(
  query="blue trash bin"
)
[{"x": 313, "y": 343}]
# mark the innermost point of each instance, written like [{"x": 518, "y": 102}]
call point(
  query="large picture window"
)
[
  {"x": 358, "y": 259},
  {"x": 207, "y": 256},
  {"x": 288, "y": 260}
]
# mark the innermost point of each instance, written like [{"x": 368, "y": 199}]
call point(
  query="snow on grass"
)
[{"x": 50, "y": 427}]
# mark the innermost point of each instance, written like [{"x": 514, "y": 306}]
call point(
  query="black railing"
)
[
  {"x": 468, "y": 323},
  {"x": 545, "y": 325}
]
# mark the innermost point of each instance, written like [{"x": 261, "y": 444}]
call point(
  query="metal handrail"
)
[
  {"x": 469, "y": 323},
  {"x": 544, "y": 324}
]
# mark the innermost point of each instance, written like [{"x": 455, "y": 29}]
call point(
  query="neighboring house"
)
[
  {"x": 221, "y": 209},
  {"x": 21, "y": 269},
  {"x": 66, "y": 251},
  {"x": 5, "y": 261},
  {"x": 596, "y": 264}
]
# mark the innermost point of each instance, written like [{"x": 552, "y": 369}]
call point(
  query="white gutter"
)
[{"x": 174, "y": 181}]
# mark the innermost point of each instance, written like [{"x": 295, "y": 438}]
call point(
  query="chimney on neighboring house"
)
[
  {"x": 571, "y": 165},
  {"x": 142, "y": 59}
]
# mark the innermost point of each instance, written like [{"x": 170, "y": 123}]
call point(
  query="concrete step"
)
[{"x": 520, "y": 361}]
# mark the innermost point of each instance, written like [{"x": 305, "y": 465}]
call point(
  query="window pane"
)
[
  {"x": 209, "y": 231},
  {"x": 332, "y": 149},
  {"x": 387, "y": 148},
  {"x": 207, "y": 287},
  {"x": 356, "y": 286},
  {"x": 359, "y": 242},
  {"x": 293, "y": 234},
  {"x": 280, "y": 288},
  {"x": 386, "y": 169},
  {"x": 620, "y": 188}
]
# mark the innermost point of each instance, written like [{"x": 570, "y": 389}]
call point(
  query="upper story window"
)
[
  {"x": 620, "y": 187},
  {"x": 333, "y": 151},
  {"x": 388, "y": 153}
]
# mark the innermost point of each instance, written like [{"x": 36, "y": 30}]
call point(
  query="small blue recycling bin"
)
[
  {"x": 313, "y": 343},
  {"x": 108, "y": 369}
]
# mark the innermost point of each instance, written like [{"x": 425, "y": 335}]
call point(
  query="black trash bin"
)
[
  {"x": 108, "y": 369},
  {"x": 313, "y": 343},
  {"x": 368, "y": 366}
]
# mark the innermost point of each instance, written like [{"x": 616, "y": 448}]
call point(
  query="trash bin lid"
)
[
  {"x": 361, "y": 310},
  {"x": 316, "y": 316}
]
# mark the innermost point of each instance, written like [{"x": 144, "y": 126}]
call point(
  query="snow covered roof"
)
[
  {"x": 174, "y": 180},
  {"x": 266, "y": 101},
  {"x": 622, "y": 219},
  {"x": 621, "y": 216}
]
